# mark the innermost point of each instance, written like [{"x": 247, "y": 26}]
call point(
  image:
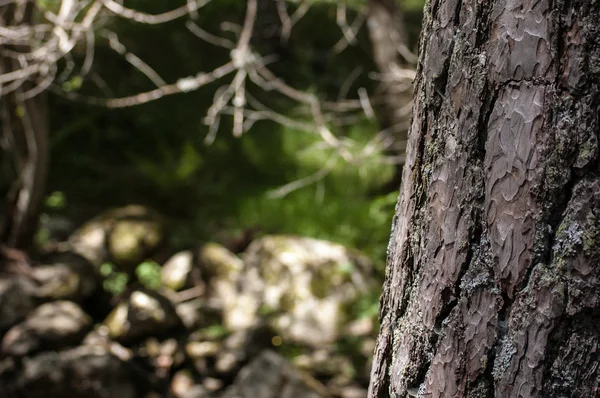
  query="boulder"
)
[
  {"x": 269, "y": 375},
  {"x": 16, "y": 300},
  {"x": 143, "y": 313},
  {"x": 305, "y": 287},
  {"x": 50, "y": 326},
  {"x": 228, "y": 352},
  {"x": 213, "y": 262},
  {"x": 217, "y": 261},
  {"x": 197, "y": 313},
  {"x": 125, "y": 236},
  {"x": 184, "y": 385},
  {"x": 65, "y": 276},
  {"x": 82, "y": 372},
  {"x": 238, "y": 347},
  {"x": 176, "y": 271},
  {"x": 162, "y": 354}
]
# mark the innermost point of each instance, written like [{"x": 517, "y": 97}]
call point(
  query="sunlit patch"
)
[{"x": 277, "y": 341}]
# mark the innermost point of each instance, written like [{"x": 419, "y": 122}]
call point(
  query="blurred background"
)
[{"x": 159, "y": 142}]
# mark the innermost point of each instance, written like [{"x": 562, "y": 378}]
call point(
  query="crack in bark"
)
[{"x": 483, "y": 31}]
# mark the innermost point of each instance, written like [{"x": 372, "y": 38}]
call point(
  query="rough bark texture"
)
[{"x": 493, "y": 277}]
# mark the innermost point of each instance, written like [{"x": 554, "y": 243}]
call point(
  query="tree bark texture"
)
[
  {"x": 24, "y": 130},
  {"x": 493, "y": 278}
]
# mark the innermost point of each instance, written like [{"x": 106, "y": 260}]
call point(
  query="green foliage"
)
[
  {"x": 48, "y": 5},
  {"x": 114, "y": 282},
  {"x": 148, "y": 273},
  {"x": 73, "y": 84},
  {"x": 416, "y": 5},
  {"x": 56, "y": 200},
  {"x": 367, "y": 306},
  {"x": 212, "y": 332}
]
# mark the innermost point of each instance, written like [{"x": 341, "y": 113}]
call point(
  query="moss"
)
[
  {"x": 591, "y": 235},
  {"x": 587, "y": 152}
]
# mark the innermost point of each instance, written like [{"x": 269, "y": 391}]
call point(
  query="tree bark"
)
[{"x": 493, "y": 278}]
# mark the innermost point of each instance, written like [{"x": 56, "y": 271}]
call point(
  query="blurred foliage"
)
[
  {"x": 154, "y": 154},
  {"x": 114, "y": 282},
  {"x": 148, "y": 273}
]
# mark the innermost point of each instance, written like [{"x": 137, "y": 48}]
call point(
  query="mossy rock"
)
[
  {"x": 308, "y": 285},
  {"x": 142, "y": 314},
  {"x": 66, "y": 276},
  {"x": 125, "y": 236}
]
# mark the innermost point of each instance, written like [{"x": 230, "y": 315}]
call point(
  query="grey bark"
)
[{"x": 493, "y": 279}]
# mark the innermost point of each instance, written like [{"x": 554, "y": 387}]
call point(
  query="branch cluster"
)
[{"x": 30, "y": 52}]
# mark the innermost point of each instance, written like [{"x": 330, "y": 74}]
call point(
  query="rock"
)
[
  {"x": 351, "y": 391},
  {"x": 212, "y": 384},
  {"x": 142, "y": 314},
  {"x": 212, "y": 261},
  {"x": 175, "y": 273},
  {"x": 132, "y": 241},
  {"x": 66, "y": 276},
  {"x": 125, "y": 235},
  {"x": 16, "y": 300},
  {"x": 51, "y": 326},
  {"x": 197, "y": 313},
  {"x": 82, "y": 372},
  {"x": 162, "y": 355},
  {"x": 270, "y": 376},
  {"x": 215, "y": 265},
  {"x": 305, "y": 287},
  {"x": 99, "y": 337},
  {"x": 242, "y": 345},
  {"x": 202, "y": 349},
  {"x": 184, "y": 385},
  {"x": 181, "y": 382},
  {"x": 227, "y": 353},
  {"x": 222, "y": 269},
  {"x": 202, "y": 354},
  {"x": 196, "y": 391},
  {"x": 327, "y": 363},
  {"x": 217, "y": 261}
]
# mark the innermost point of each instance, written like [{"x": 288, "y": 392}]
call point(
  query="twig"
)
[
  {"x": 209, "y": 38},
  {"x": 150, "y": 19},
  {"x": 303, "y": 182}
]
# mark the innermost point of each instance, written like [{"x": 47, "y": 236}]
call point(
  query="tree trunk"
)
[
  {"x": 493, "y": 278},
  {"x": 391, "y": 53},
  {"x": 23, "y": 139}
]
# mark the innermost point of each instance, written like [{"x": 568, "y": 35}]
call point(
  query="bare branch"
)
[
  {"x": 134, "y": 60},
  {"x": 208, "y": 37},
  {"x": 246, "y": 35},
  {"x": 181, "y": 86},
  {"x": 153, "y": 19},
  {"x": 304, "y": 182},
  {"x": 287, "y": 21},
  {"x": 348, "y": 82},
  {"x": 366, "y": 104}
]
